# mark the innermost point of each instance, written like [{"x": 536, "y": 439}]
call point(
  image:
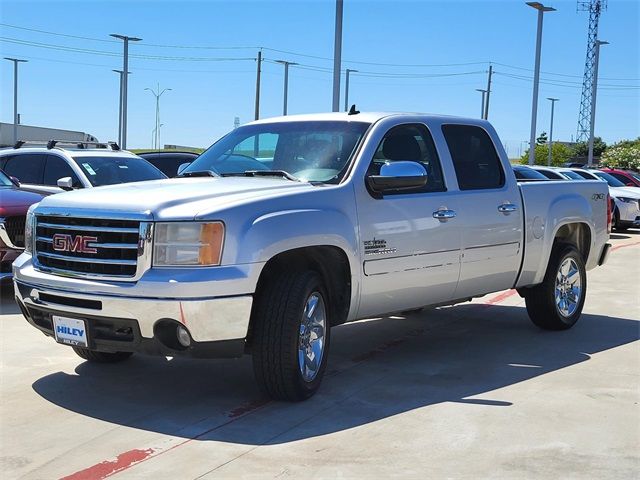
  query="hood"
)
[
  {"x": 629, "y": 192},
  {"x": 14, "y": 201},
  {"x": 179, "y": 198}
]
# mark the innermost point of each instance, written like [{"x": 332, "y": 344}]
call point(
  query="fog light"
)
[{"x": 183, "y": 336}]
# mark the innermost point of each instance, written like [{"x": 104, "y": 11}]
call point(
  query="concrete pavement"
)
[{"x": 471, "y": 391}]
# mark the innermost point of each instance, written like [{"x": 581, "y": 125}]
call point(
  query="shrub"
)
[{"x": 560, "y": 154}]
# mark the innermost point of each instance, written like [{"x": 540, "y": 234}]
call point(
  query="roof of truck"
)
[{"x": 368, "y": 117}]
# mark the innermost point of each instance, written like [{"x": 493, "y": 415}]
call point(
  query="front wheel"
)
[
  {"x": 556, "y": 304},
  {"x": 291, "y": 335}
]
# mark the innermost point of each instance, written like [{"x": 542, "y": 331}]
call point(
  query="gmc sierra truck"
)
[{"x": 287, "y": 227}]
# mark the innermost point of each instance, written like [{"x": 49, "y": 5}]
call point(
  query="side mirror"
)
[
  {"x": 183, "y": 167},
  {"x": 65, "y": 183},
  {"x": 15, "y": 181},
  {"x": 398, "y": 176}
]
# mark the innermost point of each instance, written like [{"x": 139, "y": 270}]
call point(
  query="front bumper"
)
[{"x": 126, "y": 317}]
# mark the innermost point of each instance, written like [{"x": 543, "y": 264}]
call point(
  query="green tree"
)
[
  {"x": 560, "y": 154},
  {"x": 542, "y": 139},
  {"x": 582, "y": 149}
]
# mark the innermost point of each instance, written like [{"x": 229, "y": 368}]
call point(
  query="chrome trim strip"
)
[
  {"x": 93, "y": 214},
  {"x": 105, "y": 261},
  {"x": 87, "y": 228},
  {"x": 4, "y": 236}
]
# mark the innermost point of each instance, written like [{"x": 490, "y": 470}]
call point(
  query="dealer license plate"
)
[{"x": 70, "y": 331}]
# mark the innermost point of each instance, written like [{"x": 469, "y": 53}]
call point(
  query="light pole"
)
[
  {"x": 125, "y": 81},
  {"x": 119, "y": 72},
  {"x": 593, "y": 101},
  {"x": 484, "y": 92},
  {"x": 16, "y": 118},
  {"x": 346, "y": 88},
  {"x": 337, "y": 57},
  {"x": 536, "y": 78},
  {"x": 553, "y": 103},
  {"x": 286, "y": 83},
  {"x": 157, "y": 94}
]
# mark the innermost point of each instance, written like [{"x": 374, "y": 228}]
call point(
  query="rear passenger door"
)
[
  {"x": 26, "y": 167},
  {"x": 489, "y": 210}
]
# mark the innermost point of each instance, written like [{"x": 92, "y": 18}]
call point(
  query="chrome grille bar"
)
[{"x": 104, "y": 261}]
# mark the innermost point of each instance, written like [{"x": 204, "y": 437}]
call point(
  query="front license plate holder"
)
[{"x": 70, "y": 331}]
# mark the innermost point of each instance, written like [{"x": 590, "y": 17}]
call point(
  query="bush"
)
[
  {"x": 624, "y": 155},
  {"x": 560, "y": 154}
]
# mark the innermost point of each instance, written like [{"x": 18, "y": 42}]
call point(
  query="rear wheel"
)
[
  {"x": 617, "y": 224},
  {"x": 556, "y": 304},
  {"x": 291, "y": 335},
  {"x": 101, "y": 357}
]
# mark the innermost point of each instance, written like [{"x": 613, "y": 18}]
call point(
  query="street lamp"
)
[
  {"x": 16, "y": 118},
  {"x": 536, "y": 78},
  {"x": 346, "y": 88},
  {"x": 337, "y": 57},
  {"x": 484, "y": 92},
  {"x": 593, "y": 101},
  {"x": 286, "y": 82},
  {"x": 125, "y": 81},
  {"x": 157, "y": 94},
  {"x": 553, "y": 102}
]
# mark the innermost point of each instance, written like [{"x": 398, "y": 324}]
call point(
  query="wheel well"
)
[
  {"x": 330, "y": 262},
  {"x": 577, "y": 234}
]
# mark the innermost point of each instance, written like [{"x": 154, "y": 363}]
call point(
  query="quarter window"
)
[{"x": 475, "y": 159}]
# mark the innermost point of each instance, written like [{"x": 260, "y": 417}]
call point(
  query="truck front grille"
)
[
  {"x": 15, "y": 230},
  {"x": 88, "y": 246}
]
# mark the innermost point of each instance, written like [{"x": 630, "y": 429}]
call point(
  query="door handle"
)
[
  {"x": 444, "y": 214},
  {"x": 507, "y": 208}
]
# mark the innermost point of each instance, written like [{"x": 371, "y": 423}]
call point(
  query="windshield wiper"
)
[
  {"x": 199, "y": 173},
  {"x": 263, "y": 173}
]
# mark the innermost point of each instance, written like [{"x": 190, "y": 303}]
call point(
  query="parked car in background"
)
[
  {"x": 14, "y": 203},
  {"x": 627, "y": 199},
  {"x": 527, "y": 174},
  {"x": 549, "y": 172},
  {"x": 82, "y": 165},
  {"x": 168, "y": 162},
  {"x": 630, "y": 179}
]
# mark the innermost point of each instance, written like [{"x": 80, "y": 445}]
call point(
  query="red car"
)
[
  {"x": 14, "y": 203},
  {"x": 629, "y": 178}
]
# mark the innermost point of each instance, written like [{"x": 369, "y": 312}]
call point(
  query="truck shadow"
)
[{"x": 378, "y": 368}]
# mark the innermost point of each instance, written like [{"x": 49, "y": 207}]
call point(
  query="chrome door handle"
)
[
  {"x": 444, "y": 214},
  {"x": 507, "y": 208}
]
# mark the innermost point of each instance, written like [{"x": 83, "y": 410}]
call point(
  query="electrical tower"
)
[{"x": 595, "y": 8}]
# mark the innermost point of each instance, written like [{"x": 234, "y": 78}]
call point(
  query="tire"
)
[
  {"x": 279, "y": 346},
  {"x": 617, "y": 225},
  {"x": 101, "y": 357},
  {"x": 542, "y": 307}
]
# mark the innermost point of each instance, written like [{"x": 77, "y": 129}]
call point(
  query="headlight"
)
[
  {"x": 29, "y": 227},
  {"x": 626, "y": 199},
  {"x": 188, "y": 243}
]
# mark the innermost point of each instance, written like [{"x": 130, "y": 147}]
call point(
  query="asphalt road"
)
[{"x": 471, "y": 391}]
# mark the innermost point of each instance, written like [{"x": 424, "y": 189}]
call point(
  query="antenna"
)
[{"x": 595, "y": 8}]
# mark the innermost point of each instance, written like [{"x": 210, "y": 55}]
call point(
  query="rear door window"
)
[
  {"x": 26, "y": 167},
  {"x": 474, "y": 156}
]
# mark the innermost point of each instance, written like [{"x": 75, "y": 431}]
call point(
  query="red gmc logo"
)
[{"x": 80, "y": 243}]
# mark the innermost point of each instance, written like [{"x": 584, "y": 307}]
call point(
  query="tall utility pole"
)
[
  {"x": 346, "y": 88},
  {"x": 593, "y": 100},
  {"x": 553, "y": 103},
  {"x": 484, "y": 92},
  {"x": 119, "y": 72},
  {"x": 286, "y": 83},
  {"x": 536, "y": 79},
  {"x": 157, "y": 94},
  {"x": 486, "y": 104},
  {"x": 337, "y": 57},
  {"x": 125, "y": 81},
  {"x": 595, "y": 8},
  {"x": 16, "y": 117},
  {"x": 258, "y": 72}
]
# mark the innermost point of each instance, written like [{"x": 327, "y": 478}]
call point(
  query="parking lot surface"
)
[{"x": 471, "y": 391}]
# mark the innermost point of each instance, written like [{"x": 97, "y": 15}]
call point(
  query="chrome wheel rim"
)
[
  {"x": 311, "y": 339},
  {"x": 568, "y": 289}
]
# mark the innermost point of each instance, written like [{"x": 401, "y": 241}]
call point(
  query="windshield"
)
[
  {"x": 635, "y": 175},
  {"x": 526, "y": 173},
  {"x": 572, "y": 175},
  {"x": 612, "y": 181},
  {"x": 111, "y": 170},
  {"x": 310, "y": 151},
  {"x": 5, "y": 181}
]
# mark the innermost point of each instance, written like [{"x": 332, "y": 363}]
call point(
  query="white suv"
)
[{"x": 52, "y": 169}]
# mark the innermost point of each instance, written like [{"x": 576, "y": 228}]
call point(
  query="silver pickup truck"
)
[{"x": 287, "y": 227}]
